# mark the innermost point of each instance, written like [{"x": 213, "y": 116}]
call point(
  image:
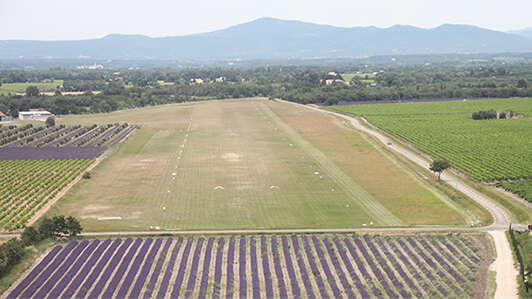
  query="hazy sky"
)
[{"x": 80, "y": 19}]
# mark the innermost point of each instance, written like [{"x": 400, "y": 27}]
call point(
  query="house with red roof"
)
[{"x": 4, "y": 117}]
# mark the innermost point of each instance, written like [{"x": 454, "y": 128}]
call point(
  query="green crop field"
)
[
  {"x": 483, "y": 149},
  {"x": 13, "y": 88},
  {"x": 27, "y": 185},
  {"x": 522, "y": 188},
  {"x": 364, "y": 77},
  {"x": 244, "y": 164}
]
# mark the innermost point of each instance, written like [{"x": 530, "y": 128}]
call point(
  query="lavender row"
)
[
  {"x": 290, "y": 267},
  {"x": 49, "y": 153},
  {"x": 193, "y": 269},
  {"x": 128, "y": 280},
  {"x": 336, "y": 265},
  {"x": 293, "y": 266},
  {"x": 255, "y": 285},
  {"x": 266, "y": 267},
  {"x": 41, "y": 279},
  {"x": 399, "y": 268},
  {"x": 166, "y": 278},
  {"x": 96, "y": 270},
  {"x": 218, "y": 269},
  {"x": 35, "y": 133},
  {"x": 230, "y": 271},
  {"x": 422, "y": 266},
  {"x": 181, "y": 270},
  {"x": 65, "y": 138},
  {"x": 157, "y": 270},
  {"x": 242, "y": 268},
  {"x": 82, "y": 274},
  {"x": 121, "y": 136},
  {"x": 362, "y": 268},
  {"x": 325, "y": 266},
  {"x": 433, "y": 265},
  {"x": 34, "y": 272},
  {"x": 391, "y": 275},
  {"x": 302, "y": 268},
  {"x": 113, "y": 264},
  {"x": 278, "y": 270},
  {"x": 54, "y": 278},
  {"x": 51, "y": 137},
  {"x": 313, "y": 266},
  {"x": 88, "y": 136},
  {"x": 103, "y": 135},
  {"x": 378, "y": 274},
  {"x": 205, "y": 273},
  {"x": 349, "y": 267}
]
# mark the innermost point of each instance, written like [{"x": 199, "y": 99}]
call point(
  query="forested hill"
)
[{"x": 269, "y": 38}]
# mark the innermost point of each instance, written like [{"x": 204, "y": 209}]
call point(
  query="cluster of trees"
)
[
  {"x": 58, "y": 227},
  {"x": 303, "y": 84},
  {"x": 12, "y": 251},
  {"x": 491, "y": 114},
  {"x": 485, "y": 114}
]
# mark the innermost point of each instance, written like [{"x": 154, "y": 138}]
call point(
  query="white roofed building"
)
[{"x": 34, "y": 115}]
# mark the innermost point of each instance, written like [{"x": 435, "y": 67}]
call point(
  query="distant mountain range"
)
[
  {"x": 268, "y": 38},
  {"x": 526, "y": 32}
]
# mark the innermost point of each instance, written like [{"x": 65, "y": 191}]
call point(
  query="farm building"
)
[
  {"x": 4, "y": 117},
  {"x": 34, "y": 115}
]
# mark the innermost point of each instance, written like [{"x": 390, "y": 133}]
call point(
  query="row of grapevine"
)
[
  {"x": 27, "y": 185},
  {"x": 486, "y": 150}
]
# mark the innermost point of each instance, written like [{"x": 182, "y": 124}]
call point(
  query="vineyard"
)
[
  {"x": 295, "y": 266},
  {"x": 26, "y": 186},
  {"x": 59, "y": 142},
  {"x": 522, "y": 188},
  {"x": 38, "y": 163},
  {"x": 485, "y": 150}
]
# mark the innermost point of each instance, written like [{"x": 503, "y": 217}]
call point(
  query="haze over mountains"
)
[{"x": 268, "y": 38}]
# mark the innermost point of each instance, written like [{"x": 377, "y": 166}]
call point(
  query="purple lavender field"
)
[
  {"x": 59, "y": 143},
  {"x": 294, "y": 266}
]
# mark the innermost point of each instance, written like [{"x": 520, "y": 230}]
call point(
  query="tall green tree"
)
[
  {"x": 32, "y": 91},
  {"x": 438, "y": 166},
  {"x": 30, "y": 236},
  {"x": 46, "y": 228},
  {"x": 73, "y": 226},
  {"x": 50, "y": 122}
]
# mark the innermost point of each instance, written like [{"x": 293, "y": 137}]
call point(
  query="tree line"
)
[
  {"x": 124, "y": 89},
  {"x": 57, "y": 227}
]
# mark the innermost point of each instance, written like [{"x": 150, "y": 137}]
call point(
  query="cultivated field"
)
[
  {"x": 244, "y": 164},
  {"x": 26, "y": 186},
  {"x": 483, "y": 149},
  {"x": 286, "y": 266},
  {"x": 13, "y": 88},
  {"x": 364, "y": 77},
  {"x": 39, "y": 163},
  {"x": 30, "y": 142}
]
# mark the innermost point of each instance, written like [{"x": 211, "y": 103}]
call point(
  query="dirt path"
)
[{"x": 503, "y": 266}]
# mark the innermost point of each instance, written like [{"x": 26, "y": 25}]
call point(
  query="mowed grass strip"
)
[
  {"x": 363, "y": 198},
  {"x": 210, "y": 165},
  {"x": 246, "y": 164},
  {"x": 388, "y": 182}
]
